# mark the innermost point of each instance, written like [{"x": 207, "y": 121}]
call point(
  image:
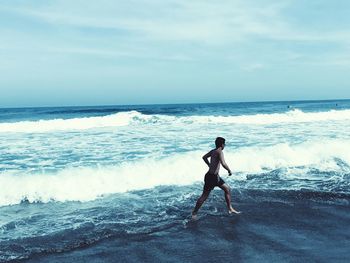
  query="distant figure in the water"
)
[{"x": 212, "y": 177}]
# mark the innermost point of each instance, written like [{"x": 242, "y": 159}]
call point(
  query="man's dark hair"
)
[{"x": 219, "y": 142}]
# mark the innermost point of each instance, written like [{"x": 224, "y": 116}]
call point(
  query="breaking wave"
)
[
  {"x": 89, "y": 183},
  {"x": 134, "y": 117}
]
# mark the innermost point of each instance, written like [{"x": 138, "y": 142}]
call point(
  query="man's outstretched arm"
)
[{"x": 224, "y": 164}]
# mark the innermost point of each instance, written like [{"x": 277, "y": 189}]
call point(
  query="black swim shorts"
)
[{"x": 212, "y": 180}]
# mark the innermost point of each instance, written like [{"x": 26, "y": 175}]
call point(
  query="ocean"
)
[{"x": 118, "y": 183}]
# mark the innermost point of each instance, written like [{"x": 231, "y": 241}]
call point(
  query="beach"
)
[{"x": 279, "y": 226}]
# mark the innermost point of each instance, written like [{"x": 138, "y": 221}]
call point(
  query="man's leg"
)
[
  {"x": 227, "y": 191},
  {"x": 200, "y": 201}
]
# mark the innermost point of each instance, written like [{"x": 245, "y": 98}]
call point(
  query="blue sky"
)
[{"x": 102, "y": 52}]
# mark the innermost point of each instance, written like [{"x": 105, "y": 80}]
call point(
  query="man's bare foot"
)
[
  {"x": 194, "y": 216},
  {"x": 232, "y": 210}
]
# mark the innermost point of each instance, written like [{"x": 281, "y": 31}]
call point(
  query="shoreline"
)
[{"x": 273, "y": 227}]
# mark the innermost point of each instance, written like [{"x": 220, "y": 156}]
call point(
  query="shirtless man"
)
[{"x": 212, "y": 177}]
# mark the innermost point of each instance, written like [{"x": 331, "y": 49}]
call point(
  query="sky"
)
[{"x": 82, "y": 52}]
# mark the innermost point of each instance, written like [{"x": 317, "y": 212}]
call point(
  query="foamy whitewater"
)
[{"x": 69, "y": 169}]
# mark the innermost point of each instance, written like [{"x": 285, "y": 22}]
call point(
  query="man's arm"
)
[
  {"x": 224, "y": 164},
  {"x": 206, "y": 156}
]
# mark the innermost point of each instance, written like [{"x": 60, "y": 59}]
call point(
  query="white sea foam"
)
[
  {"x": 113, "y": 120},
  {"x": 321, "y": 154},
  {"x": 84, "y": 184},
  {"x": 134, "y": 117},
  {"x": 293, "y": 116}
]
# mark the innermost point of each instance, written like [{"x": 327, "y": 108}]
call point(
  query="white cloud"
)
[
  {"x": 200, "y": 21},
  {"x": 172, "y": 30}
]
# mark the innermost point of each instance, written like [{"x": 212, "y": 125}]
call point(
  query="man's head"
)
[{"x": 220, "y": 142}]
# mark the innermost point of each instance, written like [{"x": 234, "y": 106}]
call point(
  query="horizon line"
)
[{"x": 189, "y": 103}]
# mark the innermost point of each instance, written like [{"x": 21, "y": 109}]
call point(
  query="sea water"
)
[{"x": 119, "y": 182}]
